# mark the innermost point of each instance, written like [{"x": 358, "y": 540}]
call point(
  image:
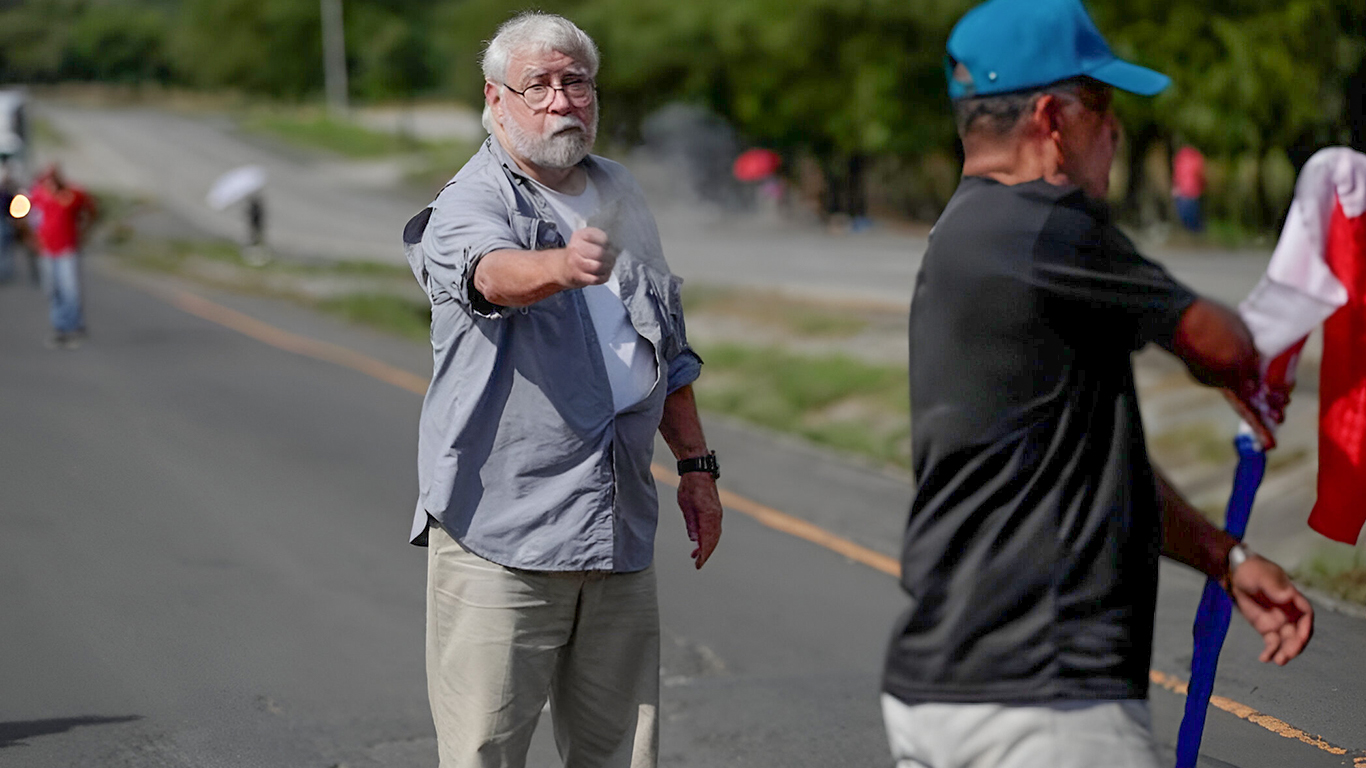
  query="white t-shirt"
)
[{"x": 629, "y": 357}]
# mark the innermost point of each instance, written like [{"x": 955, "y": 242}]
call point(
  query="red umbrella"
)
[{"x": 756, "y": 164}]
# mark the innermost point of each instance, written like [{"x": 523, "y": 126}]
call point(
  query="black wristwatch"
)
[{"x": 707, "y": 463}]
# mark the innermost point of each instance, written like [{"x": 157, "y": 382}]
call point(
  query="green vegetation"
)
[
  {"x": 852, "y": 91},
  {"x": 1234, "y": 234},
  {"x": 774, "y": 310},
  {"x": 833, "y": 400},
  {"x": 1337, "y": 571},
  {"x": 381, "y": 296},
  {"x": 1202, "y": 442},
  {"x": 45, "y": 133},
  {"x": 168, "y": 256},
  {"x": 427, "y": 164},
  {"x": 316, "y": 129},
  {"x": 385, "y": 312}
]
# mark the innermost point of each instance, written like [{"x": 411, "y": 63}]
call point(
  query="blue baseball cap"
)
[{"x": 1011, "y": 45}]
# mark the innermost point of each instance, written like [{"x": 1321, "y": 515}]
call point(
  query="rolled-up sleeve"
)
[
  {"x": 469, "y": 221},
  {"x": 684, "y": 369}
]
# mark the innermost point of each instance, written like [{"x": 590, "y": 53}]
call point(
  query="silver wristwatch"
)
[{"x": 1237, "y": 556}]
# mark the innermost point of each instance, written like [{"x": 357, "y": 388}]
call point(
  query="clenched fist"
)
[{"x": 588, "y": 258}]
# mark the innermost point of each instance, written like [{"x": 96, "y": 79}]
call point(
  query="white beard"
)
[{"x": 557, "y": 147}]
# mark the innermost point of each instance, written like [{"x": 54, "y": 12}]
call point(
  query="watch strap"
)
[{"x": 705, "y": 463}]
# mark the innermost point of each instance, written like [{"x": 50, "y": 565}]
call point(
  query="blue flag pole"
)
[{"x": 1216, "y": 607}]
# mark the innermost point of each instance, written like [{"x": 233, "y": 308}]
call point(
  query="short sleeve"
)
[
  {"x": 467, "y": 223},
  {"x": 1094, "y": 270}
]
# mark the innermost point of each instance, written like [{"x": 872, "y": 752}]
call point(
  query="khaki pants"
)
[
  {"x": 500, "y": 641},
  {"x": 1065, "y": 734}
]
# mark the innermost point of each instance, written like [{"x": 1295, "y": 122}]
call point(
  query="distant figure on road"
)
[
  {"x": 1031, "y": 551},
  {"x": 61, "y": 216},
  {"x": 255, "y": 253},
  {"x": 1188, "y": 186},
  {"x": 256, "y": 221},
  {"x": 559, "y": 349}
]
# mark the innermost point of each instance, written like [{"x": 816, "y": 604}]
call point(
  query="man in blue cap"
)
[{"x": 1031, "y": 551}]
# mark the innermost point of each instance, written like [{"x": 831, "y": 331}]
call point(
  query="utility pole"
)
[{"x": 334, "y": 56}]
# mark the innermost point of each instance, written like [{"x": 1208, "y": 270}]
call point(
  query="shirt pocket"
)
[{"x": 536, "y": 234}]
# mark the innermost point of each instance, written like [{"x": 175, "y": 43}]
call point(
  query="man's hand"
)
[
  {"x": 1272, "y": 605},
  {"x": 588, "y": 259},
  {"x": 701, "y": 506},
  {"x": 1263, "y": 423}
]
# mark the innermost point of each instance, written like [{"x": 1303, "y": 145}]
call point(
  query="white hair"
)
[{"x": 535, "y": 32}]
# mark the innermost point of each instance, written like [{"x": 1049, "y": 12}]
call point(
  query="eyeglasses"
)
[{"x": 539, "y": 96}]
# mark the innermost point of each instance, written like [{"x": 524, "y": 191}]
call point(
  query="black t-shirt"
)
[{"x": 1031, "y": 550}]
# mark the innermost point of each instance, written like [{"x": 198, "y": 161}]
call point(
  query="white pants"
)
[
  {"x": 500, "y": 641},
  {"x": 1068, "y": 734}
]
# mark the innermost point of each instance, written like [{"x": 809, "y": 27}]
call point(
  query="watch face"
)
[{"x": 711, "y": 465}]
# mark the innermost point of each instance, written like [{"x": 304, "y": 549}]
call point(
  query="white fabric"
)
[
  {"x": 1065, "y": 734},
  {"x": 628, "y": 357},
  {"x": 1299, "y": 291},
  {"x": 1279, "y": 315},
  {"x": 500, "y": 641}
]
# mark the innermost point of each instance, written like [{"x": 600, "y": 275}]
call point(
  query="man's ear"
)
[
  {"x": 492, "y": 97},
  {"x": 1048, "y": 117}
]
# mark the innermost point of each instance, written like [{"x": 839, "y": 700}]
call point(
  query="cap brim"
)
[{"x": 1130, "y": 77}]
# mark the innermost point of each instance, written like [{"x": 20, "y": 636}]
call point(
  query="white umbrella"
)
[{"x": 236, "y": 185}]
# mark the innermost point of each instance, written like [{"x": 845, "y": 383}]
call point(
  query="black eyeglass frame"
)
[{"x": 581, "y": 101}]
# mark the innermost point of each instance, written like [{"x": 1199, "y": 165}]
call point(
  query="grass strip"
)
[
  {"x": 774, "y": 310},
  {"x": 1338, "y": 571},
  {"x": 832, "y": 400},
  {"x": 383, "y": 312},
  {"x": 321, "y": 131}
]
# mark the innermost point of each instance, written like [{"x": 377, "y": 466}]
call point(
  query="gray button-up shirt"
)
[{"x": 521, "y": 455}]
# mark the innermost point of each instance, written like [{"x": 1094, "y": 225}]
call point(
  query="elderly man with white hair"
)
[{"x": 559, "y": 349}]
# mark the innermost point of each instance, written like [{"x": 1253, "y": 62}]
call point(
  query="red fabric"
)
[
  {"x": 1188, "y": 173},
  {"x": 1340, "y": 511},
  {"x": 59, "y": 224},
  {"x": 1280, "y": 373}
]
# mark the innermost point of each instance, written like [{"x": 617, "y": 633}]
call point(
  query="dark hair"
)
[{"x": 999, "y": 113}]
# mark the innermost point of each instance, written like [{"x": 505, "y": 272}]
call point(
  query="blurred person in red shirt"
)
[
  {"x": 60, "y": 217},
  {"x": 1188, "y": 185}
]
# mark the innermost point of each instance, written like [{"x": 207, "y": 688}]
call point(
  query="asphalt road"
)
[
  {"x": 339, "y": 211},
  {"x": 203, "y": 560}
]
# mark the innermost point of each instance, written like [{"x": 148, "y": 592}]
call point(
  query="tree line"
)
[{"x": 853, "y": 87}]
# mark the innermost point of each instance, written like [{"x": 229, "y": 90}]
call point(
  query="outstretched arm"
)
[
  {"x": 1259, "y": 587},
  {"x": 522, "y": 278},
  {"x": 697, "y": 494},
  {"x": 1217, "y": 347}
]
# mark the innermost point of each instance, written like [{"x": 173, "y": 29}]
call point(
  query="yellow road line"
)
[
  {"x": 772, "y": 518},
  {"x": 793, "y": 526},
  {"x": 1244, "y": 712},
  {"x": 302, "y": 345}
]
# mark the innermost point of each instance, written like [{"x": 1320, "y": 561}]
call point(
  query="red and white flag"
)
[{"x": 1318, "y": 275}]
